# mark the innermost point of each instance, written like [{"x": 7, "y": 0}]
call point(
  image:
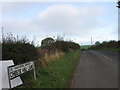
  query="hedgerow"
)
[
  {"x": 19, "y": 49},
  {"x": 64, "y": 46},
  {"x": 106, "y": 45}
]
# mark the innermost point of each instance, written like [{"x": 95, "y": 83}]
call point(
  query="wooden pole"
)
[{"x": 34, "y": 72}]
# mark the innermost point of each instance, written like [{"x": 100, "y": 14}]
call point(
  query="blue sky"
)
[{"x": 77, "y": 21}]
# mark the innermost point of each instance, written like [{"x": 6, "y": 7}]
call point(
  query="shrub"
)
[
  {"x": 106, "y": 45},
  {"x": 58, "y": 45},
  {"x": 64, "y": 46},
  {"x": 46, "y": 43},
  {"x": 18, "y": 49}
]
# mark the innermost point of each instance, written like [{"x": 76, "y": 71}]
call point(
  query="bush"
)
[
  {"x": 64, "y": 46},
  {"x": 59, "y": 45},
  {"x": 106, "y": 45},
  {"x": 46, "y": 42},
  {"x": 20, "y": 50}
]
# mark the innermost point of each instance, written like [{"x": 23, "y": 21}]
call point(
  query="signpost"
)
[
  {"x": 4, "y": 79},
  {"x": 17, "y": 70}
]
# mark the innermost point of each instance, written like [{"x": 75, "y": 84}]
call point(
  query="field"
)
[
  {"x": 85, "y": 46},
  {"x": 57, "y": 74}
]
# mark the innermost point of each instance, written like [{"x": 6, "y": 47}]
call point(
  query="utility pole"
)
[
  {"x": 2, "y": 32},
  {"x": 91, "y": 40},
  {"x": 2, "y": 29}
]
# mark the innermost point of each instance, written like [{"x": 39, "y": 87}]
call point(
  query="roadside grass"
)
[{"x": 57, "y": 74}]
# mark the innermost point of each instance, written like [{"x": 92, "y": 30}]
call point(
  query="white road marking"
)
[{"x": 104, "y": 56}]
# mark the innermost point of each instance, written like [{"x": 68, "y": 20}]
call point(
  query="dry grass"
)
[
  {"x": 51, "y": 58},
  {"x": 52, "y": 76}
]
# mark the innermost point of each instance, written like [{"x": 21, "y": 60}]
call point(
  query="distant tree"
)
[
  {"x": 64, "y": 46},
  {"x": 59, "y": 45},
  {"x": 106, "y": 44},
  {"x": 60, "y": 38},
  {"x": 118, "y": 4},
  {"x": 97, "y": 43},
  {"x": 46, "y": 42}
]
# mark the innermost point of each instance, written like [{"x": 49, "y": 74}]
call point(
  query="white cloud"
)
[
  {"x": 68, "y": 19},
  {"x": 60, "y": 19}
]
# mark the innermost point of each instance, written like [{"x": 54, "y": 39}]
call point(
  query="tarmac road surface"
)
[{"x": 96, "y": 69}]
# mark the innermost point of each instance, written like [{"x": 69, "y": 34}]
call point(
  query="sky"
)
[{"x": 77, "y": 21}]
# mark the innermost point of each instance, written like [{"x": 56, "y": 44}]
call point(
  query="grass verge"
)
[{"x": 57, "y": 74}]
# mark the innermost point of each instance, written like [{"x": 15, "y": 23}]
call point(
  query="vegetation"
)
[
  {"x": 85, "y": 46},
  {"x": 59, "y": 45},
  {"x": 97, "y": 43},
  {"x": 64, "y": 46},
  {"x": 46, "y": 42},
  {"x": 18, "y": 49},
  {"x": 54, "y": 71},
  {"x": 107, "y": 46},
  {"x": 55, "y": 75}
]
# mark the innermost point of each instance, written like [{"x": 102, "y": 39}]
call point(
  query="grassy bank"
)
[{"x": 57, "y": 74}]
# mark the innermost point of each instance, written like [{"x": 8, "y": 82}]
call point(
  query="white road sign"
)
[
  {"x": 16, "y": 70},
  {"x": 4, "y": 80}
]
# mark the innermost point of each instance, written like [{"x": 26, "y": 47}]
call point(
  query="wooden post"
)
[{"x": 34, "y": 72}]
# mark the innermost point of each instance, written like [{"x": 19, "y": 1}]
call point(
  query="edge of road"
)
[
  {"x": 71, "y": 85},
  {"x": 73, "y": 80}
]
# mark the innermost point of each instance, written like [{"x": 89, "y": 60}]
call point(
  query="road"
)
[{"x": 96, "y": 69}]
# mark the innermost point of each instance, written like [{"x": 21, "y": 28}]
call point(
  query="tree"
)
[
  {"x": 46, "y": 42},
  {"x": 97, "y": 43},
  {"x": 118, "y": 4}
]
